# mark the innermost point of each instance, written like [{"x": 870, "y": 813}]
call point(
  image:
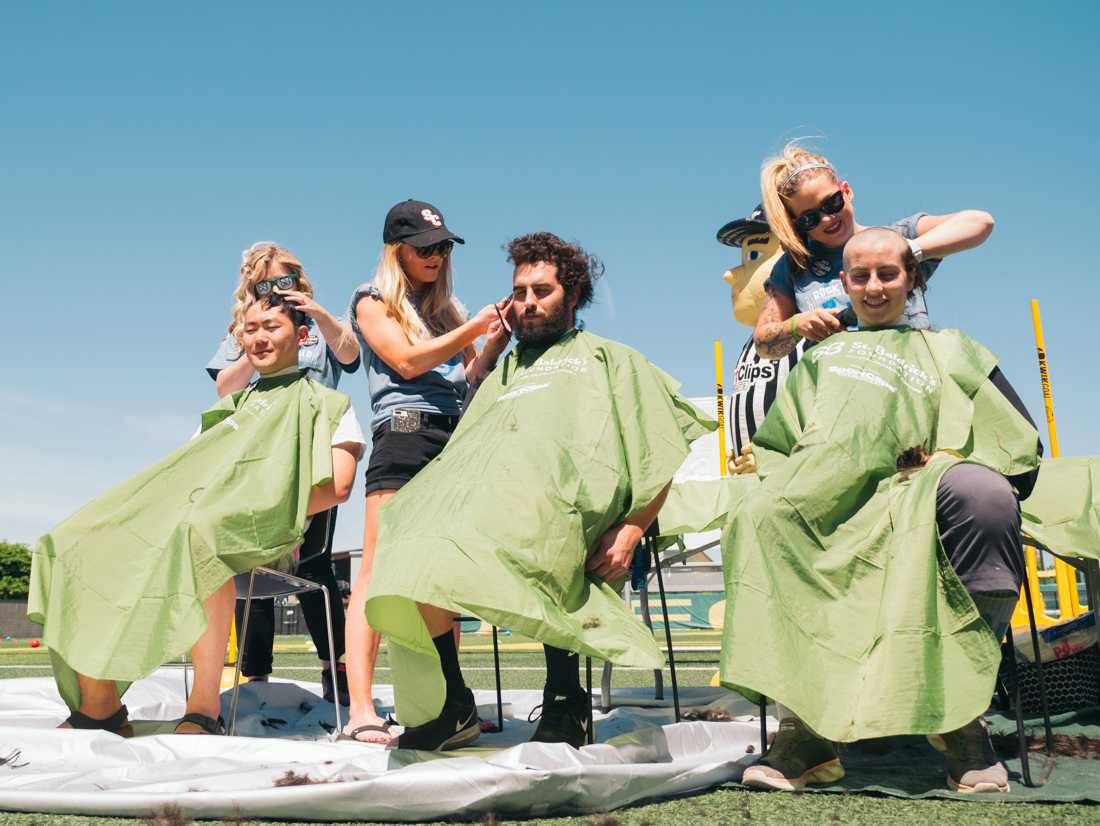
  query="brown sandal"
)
[
  {"x": 118, "y": 723},
  {"x": 353, "y": 735}
]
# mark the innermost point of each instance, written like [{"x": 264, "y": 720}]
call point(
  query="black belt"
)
[{"x": 407, "y": 420}]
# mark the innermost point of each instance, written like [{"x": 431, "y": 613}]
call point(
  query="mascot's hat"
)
[{"x": 733, "y": 233}]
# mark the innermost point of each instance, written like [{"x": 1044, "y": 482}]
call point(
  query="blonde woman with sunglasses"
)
[
  {"x": 810, "y": 210},
  {"x": 419, "y": 354}
]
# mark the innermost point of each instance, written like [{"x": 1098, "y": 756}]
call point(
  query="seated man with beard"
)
[{"x": 557, "y": 468}]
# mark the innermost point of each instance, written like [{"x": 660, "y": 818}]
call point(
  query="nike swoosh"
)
[{"x": 461, "y": 725}]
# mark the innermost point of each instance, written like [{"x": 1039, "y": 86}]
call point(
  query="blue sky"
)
[{"x": 142, "y": 148}]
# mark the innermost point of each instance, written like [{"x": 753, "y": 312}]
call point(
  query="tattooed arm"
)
[{"x": 773, "y": 328}]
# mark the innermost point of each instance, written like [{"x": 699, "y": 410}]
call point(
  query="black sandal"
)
[
  {"x": 208, "y": 724},
  {"x": 118, "y": 723}
]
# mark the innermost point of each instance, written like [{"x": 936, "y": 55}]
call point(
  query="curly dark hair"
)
[{"x": 577, "y": 270}]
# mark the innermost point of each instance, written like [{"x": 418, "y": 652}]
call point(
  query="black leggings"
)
[
  {"x": 978, "y": 518},
  {"x": 256, "y": 651}
]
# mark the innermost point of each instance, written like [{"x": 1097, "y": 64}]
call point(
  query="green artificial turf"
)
[{"x": 720, "y": 807}]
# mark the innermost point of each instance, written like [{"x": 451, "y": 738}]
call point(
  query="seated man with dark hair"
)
[
  {"x": 873, "y": 573},
  {"x": 145, "y": 572},
  {"x": 537, "y": 503}
]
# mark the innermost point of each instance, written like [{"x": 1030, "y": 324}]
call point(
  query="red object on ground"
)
[{"x": 35, "y": 643}]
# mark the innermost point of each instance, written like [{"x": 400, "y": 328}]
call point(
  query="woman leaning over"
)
[
  {"x": 419, "y": 354},
  {"x": 810, "y": 210}
]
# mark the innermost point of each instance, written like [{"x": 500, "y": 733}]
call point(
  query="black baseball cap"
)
[
  {"x": 733, "y": 233},
  {"x": 416, "y": 223}
]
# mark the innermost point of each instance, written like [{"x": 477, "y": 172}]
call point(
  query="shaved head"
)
[{"x": 880, "y": 241}]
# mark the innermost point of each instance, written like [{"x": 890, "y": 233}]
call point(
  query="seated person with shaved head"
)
[
  {"x": 145, "y": 571},
  {"x": 872, "y": 575}
]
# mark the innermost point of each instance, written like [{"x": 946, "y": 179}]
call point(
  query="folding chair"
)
[
  {"x": 266, "y": 582},
  {"x": 647, "y": 557}
]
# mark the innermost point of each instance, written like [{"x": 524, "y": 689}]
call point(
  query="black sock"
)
[
  {"x": 448, "y": 659},
  {"x": 563, "y": 674}
]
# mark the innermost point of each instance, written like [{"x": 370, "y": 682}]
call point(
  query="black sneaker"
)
[
  {"x": 341, "y": 684},
  {"x": 455, "y": 727},
  {"x": 563, "y": 719}
]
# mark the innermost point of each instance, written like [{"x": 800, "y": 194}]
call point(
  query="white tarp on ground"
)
[{"x": 641, "y": 755}]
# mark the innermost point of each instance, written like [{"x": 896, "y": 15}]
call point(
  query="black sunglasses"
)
[
  {"x": 812, "y": 217},
  {"x": 283, "y": 282},
  {"x": 442, "y": 249}
]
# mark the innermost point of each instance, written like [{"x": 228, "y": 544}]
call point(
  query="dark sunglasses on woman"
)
[
  {"x": 283, "y": 282},
  {"x": 442, "y": 249},
  {"x": 812, "y": 217}
]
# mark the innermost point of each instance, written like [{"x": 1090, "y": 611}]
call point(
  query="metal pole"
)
[
  {"x": 332, "y": 661},
  {"x": 240, "y": 648},
  {"x": 496, "y": 666},
  {"x": 668, "y": 629},
  {"x": 588, "y": 682},
  {"x": 1044, "y": 376},
  {"x": 720, "y": 398}
]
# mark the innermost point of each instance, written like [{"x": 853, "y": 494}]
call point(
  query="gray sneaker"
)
[
  {"x": 972, "y": 765},
  {"x": 797, "y": 757}
]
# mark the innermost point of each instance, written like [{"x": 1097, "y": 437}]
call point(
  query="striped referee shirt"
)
[{"x": 755, "y": 384}]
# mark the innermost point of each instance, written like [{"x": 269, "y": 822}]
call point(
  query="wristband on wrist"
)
[
  {"x": 918, "y": 253},
  {"x": 794, "y": 326}
]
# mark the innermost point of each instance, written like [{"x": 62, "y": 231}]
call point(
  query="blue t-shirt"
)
[
  {"x": 440, "y": 390},
  {"x": 314, "y": 356},
  {"x": 818, "y": 286}
]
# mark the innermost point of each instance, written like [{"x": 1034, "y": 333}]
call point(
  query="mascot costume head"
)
[{"x": 759, "y": 252}]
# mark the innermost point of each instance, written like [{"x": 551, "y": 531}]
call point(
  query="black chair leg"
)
[
  {"x": 1021, "y": 731},
  {"x": 605, "y": 687},
  {"x": 763, "y": 706},
  {"x": 1009, "y": 651},
  {"x": 647, "y": 618},
  {"x": 588, "y": 686},
  {"x": 668, "y": 631},
  {"x": 496, "y": 667}
]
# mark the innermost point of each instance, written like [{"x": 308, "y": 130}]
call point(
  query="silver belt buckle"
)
[{"x": 405, "y": 421}]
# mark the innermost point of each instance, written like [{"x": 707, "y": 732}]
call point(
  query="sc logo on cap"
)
[{"x": 431, "y": 218}]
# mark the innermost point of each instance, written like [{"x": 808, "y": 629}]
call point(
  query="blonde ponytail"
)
[{"x": 781, "y": 176}]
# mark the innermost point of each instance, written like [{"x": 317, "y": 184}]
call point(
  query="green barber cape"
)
[
  {"x": 1062, "y": 514},
  {"x": 840, "y": 601},
  {"x": 559, "y": 445},
  {"x": 119, "y": 586}
]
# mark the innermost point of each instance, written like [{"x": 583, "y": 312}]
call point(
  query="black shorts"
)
[{"x": 395, "y": 458}]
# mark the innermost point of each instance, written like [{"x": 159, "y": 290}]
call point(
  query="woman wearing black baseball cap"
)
[{"x": 418, "y": 351}]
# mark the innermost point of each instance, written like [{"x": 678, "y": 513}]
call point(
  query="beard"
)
[{"x": 536, "y": 332}]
